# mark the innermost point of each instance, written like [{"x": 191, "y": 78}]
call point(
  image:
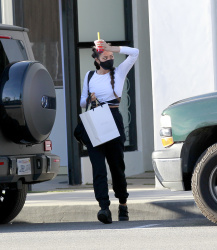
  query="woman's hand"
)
[
  {"x": 106, "y": 46},
  {"x": 93, "y": 97},
  {"x": 103, "y": 44}
]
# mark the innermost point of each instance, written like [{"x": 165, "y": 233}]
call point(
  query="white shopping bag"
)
[{"x": 100, "y": 125}]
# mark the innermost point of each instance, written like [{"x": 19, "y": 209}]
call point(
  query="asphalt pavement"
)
[
  {"x": 57, "y": 201},
  {"x": 190, "y": 234}
]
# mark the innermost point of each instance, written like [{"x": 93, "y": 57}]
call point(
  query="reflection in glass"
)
[
  {"x": 48, "y": 53},
  {"x": 3, "y": 59},
  {"x": 125, "y": 110},
  {"x": 42, "y": 19},
  {"x": 14, "y": 50},
  {"x": 11, "y": 51}
]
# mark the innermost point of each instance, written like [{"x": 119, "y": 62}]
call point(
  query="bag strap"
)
[
  {"x": 88, "y": 101},
  {"x": 88, "y": 79}
]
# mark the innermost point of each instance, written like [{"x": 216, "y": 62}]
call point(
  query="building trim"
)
[
  {"x": 69, "y": 10},
  {"x": 0, "y": 12}
]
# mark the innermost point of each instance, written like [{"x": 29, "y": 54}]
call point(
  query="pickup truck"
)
[
  {"x": 27, "y": 115},
  {"x": 189, "y": 160}
]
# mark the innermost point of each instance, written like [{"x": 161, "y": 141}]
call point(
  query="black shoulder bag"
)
[{"x": 80, "y": 132}]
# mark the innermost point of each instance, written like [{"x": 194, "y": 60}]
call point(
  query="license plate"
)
[{"x": 24, "y": 166}]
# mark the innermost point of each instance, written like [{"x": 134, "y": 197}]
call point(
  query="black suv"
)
[{"x": 27, "y": 114}]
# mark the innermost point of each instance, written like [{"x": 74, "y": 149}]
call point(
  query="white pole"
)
[
  {"x": 62, "y": 55},
  {"x": 7, "y": 11}
]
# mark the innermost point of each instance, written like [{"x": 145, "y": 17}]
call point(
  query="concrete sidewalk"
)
[
  {"x": 145, "y": 180},
  {"x": 56, "y": 201}
]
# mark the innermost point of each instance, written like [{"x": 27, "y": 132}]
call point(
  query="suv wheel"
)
[
  {"x": 11, "y": 203},
  {"x": 204, "y": 183}
]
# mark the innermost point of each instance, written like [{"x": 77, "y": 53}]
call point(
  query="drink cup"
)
[{"x": 99, "y": 47}]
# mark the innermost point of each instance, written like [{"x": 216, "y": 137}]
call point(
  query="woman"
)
[{"x": 106, "y": 85}]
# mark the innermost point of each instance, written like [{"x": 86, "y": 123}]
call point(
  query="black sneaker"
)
[
  {"x": 105, "y": 216},
  {"x": 123, "y": 213}
]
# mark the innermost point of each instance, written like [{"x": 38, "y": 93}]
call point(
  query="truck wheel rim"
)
[{"x": 213, "y": 184}]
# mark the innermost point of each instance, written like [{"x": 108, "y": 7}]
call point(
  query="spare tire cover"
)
[{"x": 27, "y": 102}]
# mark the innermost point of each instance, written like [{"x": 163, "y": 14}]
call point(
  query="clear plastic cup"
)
[{"x": 99, "y": 47}]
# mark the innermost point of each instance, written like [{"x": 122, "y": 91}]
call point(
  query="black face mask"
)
[{"x": 107, "y": 65}]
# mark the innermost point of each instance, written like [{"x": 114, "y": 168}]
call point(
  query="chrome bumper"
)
[{"x": 167, "y": 165}]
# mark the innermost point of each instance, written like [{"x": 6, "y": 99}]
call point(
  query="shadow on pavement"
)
[{"x": 131, "y": 225}]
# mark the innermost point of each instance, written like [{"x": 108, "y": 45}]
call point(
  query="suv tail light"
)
[
  {"x": 48, "y": 145},
  {"x": 5, "y": 37}
]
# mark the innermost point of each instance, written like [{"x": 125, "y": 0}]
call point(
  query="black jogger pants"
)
[{"x": 113, "y": 152}]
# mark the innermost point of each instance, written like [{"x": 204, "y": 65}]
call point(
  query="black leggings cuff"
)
[{"x": 122, "y": 200}]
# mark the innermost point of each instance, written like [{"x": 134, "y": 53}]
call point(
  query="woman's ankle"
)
[{"x": 125, "y": 204}]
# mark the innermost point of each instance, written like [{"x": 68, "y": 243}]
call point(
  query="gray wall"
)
[
  {"x": 143, "y": 82},
  {"x": 182, "y": 51}
]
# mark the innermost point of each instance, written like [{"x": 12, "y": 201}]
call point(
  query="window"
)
[
  {"x": 42, "y": 19},
  {"x": 104, "y": 20},
  {"x": 11, "y": 51},
  {"x": 102, "y": 16}
]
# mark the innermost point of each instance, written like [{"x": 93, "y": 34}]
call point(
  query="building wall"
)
[
  {"x": 182, "y": 52},
  {"x": 214, "y": 38}
]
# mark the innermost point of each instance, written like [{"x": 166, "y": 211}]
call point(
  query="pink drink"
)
[{"x": 99, "y": 47}]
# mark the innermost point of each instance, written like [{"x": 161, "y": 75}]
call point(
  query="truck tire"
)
[
  {"x": 204, "y": 183},
  {"x": 11, "y": 203},
  {"x": 27, "y": 102}
]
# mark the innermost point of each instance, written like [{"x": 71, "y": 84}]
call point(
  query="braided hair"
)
[{"x": 96, "y": 54}]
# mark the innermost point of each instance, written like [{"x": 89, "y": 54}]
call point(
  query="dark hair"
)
[{"x": 95, "y": 54}]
